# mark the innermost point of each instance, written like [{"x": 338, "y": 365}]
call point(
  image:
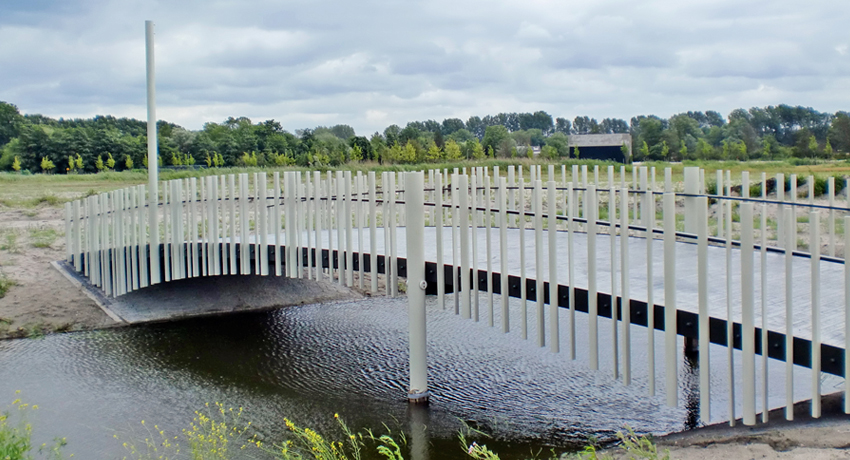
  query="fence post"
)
[
  {"x": 691, "y": 188},
  {"x": 670, "y": 349},
  {"x": 415, "y": 210}
]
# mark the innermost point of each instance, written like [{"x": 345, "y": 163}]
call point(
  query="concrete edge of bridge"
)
[{"x": 81, "y": 282}]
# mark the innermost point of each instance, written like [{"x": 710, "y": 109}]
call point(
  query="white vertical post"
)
[
  {"x": 793, "y": 211},
  {"x": 76, "y": 241},
  {"x": 385, "y": 210},
  {"x": 153, "y": 165},
  {"x": 392, "y": 269},
  {"x": 438, "y": 228},
  {"x": 349, "y": 236},
  {"x": 231, "y": 187},
  {"x": 511, "y": 183},
  {"x": 780, "y": 213},
  {"x": 360, "y": 214},
  {"x": 554, "y": 332},
  {"x": 474, "y": 242},
  {"x": 670, "y": 349},
  {"x": 244, "y": 238},
  {"x": 814, "y": 249},
  {"x": 488, "y": 216},
  {"x": 278, "y": 266},
  {"x": 310, "y": 224},
  {"x": 216, "y": 231},
  {"x": 730, "y": 338},
  {"x": 831, "y": 186},
  {"x": 763, "y": 299},
  {"x": 226, "y": 228},
  {"x": 649, "y": 224},
  {"x": 319, "y": 209},
  {"x": 503, "y": 252},
  {"x": 790, "y": 235},
  {"x": 691, "y": 188},
  {"x": 415, "y": 234},
  {"x": 463, "y": 188},
  {"x": 592, "y": 307},
  {"x": 748, "y": 331},
  {"x": 373, "y": 231},
  {"x": 69, "y": 236},
  {"x": 846, "y": 316},
  {"x": 166, "y": 225},
  {"x": 538, "y": 261},
  {"x": 624, "y": 284},
  {"x": 571, "y": 209},
  {"x": 522, "y": 274},
  {"x": 702, "y": 286},
  {"x": 612, "y": 232}
]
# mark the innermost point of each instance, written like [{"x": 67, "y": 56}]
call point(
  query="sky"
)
[{"x": 369, "y": 63}]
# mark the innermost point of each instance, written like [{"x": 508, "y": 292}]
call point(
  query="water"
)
[{"x": 308, "y": 362}]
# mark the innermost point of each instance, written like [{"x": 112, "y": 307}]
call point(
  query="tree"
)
[
  {"x": 813, "y": 146},
  {"x": 434, "y": 154},
  {"x": 110, "y": 162},
  {"x": 827, "y": 149},
  {"x": 16, "y": 165},
  {"x": 562, "y": 125},
  {"x": 665, "y": 151},
  {"x": 47, "y": 165},
  {"x": 452, "y": 151},
  {"x": 356, "y": 154},
  {"x": 99, "y": 164},
  {"x": 494, "y": 135},
  {"x": 560, "y": 142},
  {"x": 477, "y": 150},
  {"x": 644, "y": 151},
  {"x": 683, "y": 150},
  {"x": 71, "y": 163},
  {"x": 128, "y": 162},
  {"x": 576, "y": 153},
  {"x": 624, "y": 149},
  {"x": 452, "y": 125},
  {"x": 79, "y": 162}
]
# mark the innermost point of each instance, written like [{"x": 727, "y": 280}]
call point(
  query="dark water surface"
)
[{"x": 309, "y": 362}]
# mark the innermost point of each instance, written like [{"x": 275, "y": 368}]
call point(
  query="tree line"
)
[{"x": 38, "y": 143}]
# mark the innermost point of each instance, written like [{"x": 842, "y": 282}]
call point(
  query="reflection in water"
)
[{"x": 309, "y": 362}]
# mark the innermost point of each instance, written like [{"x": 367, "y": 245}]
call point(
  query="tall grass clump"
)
[
  {"x": 16, "y": 435},
  {"x": 6, "y": 283}
]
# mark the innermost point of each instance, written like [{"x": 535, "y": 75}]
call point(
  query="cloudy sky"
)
[{"x": 372, "y": 63}]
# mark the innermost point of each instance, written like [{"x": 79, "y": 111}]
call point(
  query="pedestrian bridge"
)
[{"x": 763, "y": 274}]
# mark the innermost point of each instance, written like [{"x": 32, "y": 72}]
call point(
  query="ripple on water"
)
[{"x": 310, "y": 361}]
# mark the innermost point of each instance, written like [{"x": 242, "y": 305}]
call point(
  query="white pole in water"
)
[
  {"x": 153, "y": 178},
  {"x": 415, "y": 211}
]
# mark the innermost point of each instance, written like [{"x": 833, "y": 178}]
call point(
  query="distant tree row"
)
[{"x": 35, "y": 142}]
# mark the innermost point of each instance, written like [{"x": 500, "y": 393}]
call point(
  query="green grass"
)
[
  {"x": 9, "y": 241},
  {"x": 6, "y": 283},
  {"x": 43, "y": 237}
]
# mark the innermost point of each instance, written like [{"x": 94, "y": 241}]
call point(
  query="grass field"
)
[{"x": 23, "y": 191}]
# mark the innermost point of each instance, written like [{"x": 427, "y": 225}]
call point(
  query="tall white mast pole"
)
[{"x": 153, "y": 164}]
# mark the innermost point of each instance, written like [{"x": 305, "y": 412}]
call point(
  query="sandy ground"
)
[
  {"x": 827, "y": 437},
  {"x": 42, "y": 300}
]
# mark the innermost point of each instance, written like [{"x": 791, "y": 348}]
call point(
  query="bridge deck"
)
[{"x": 831, "y": 274}]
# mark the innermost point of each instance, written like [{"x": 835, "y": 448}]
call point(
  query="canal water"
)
[{"x": 308, "y": 362}]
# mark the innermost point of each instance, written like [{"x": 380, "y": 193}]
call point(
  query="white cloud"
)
[{"x": 369, "y": 64}]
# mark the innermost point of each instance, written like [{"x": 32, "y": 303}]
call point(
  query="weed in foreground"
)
[
  {"x": 16, "y": 435},
  {"x": 6, "y": 283}
]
